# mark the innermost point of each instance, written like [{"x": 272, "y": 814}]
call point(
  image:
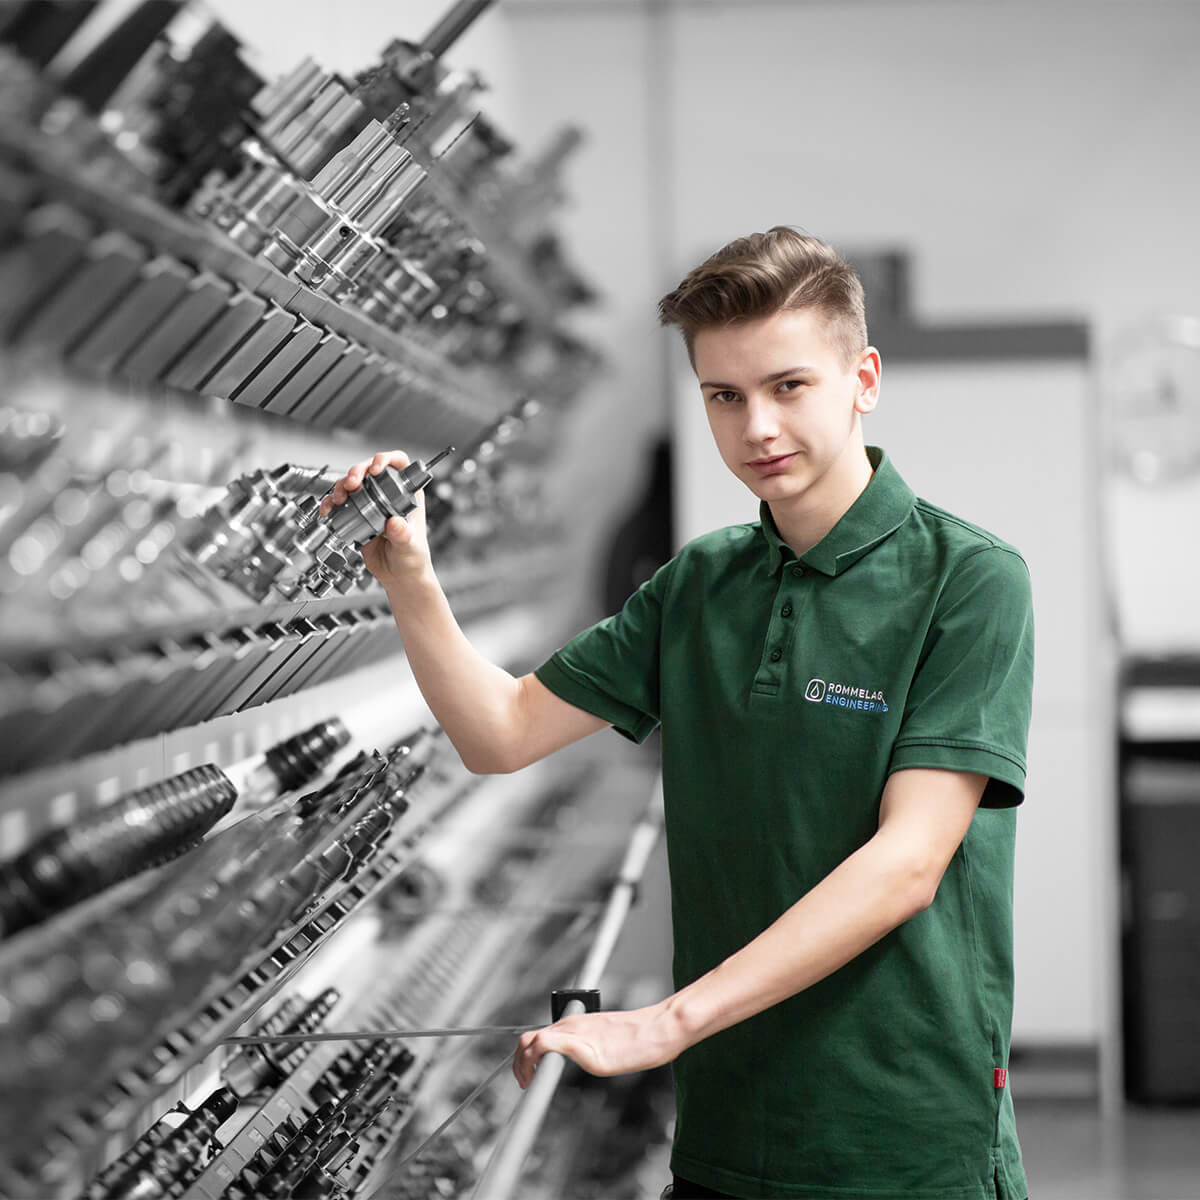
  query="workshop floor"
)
[{"x": 1072, "y": 1153}]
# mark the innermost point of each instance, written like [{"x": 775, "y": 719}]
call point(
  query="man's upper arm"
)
[
  {"x": 547, "y": 722},
  {"x": 610, "y": 670},
  {"x": 925, "y": 814}
]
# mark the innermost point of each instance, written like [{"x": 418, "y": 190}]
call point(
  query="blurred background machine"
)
[
  {"x": 222, "y": 806},
  {"x": 1152, "y": 442}
]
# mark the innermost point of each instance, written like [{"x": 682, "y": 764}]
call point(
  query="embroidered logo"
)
[{"x": 846, "y": 695}]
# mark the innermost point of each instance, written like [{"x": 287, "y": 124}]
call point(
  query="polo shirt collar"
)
[{"x": 881, "y": 508}]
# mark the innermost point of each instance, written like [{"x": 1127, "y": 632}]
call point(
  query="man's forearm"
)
[
  {"x": 923, "y": 816},
  {"x": 872, "y": 892},
  {"x": 472, "y": 699}
]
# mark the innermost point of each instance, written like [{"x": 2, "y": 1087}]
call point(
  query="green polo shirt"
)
[{"x": 788, "y": 688}]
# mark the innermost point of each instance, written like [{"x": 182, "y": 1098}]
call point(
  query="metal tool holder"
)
[{"x": 210, "y": 282}]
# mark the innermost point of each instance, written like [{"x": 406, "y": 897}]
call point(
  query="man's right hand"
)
[
  {"x": 400, "y": 554},
  {"x": 496, "y": 723}
]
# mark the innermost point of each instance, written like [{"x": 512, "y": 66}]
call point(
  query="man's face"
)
[{"x": 782, "y": 403}]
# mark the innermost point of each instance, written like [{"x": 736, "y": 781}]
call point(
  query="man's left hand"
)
[{"x": 604, "y": 1043}]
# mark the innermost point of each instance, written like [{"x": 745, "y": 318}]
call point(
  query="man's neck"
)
[{"x": 804, "y": 520}]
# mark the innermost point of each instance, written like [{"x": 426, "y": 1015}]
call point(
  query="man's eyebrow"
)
[
  {"x": 784, "y": 374},
  {"x": 708, "y": 383}
]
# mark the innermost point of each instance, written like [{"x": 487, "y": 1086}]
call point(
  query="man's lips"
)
[{"x": 775, "y": 463}]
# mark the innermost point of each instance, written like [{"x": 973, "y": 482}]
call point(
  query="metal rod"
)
[
  {"x": 502, "y": 1173},
  {"x": 373, "y": 1035},
  {"x": 505, "y": 1064},
  {"x": 452, "y": 26},
  {"x": 492, "y": 910}
]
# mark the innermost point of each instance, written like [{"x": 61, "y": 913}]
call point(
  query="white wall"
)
[{"x": 1036, "y": 157}]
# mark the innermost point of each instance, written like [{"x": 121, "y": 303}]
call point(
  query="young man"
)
[{"x": 844, "y": 693}]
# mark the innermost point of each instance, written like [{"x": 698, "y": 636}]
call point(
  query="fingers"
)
[
  {"x": 531, "y": 1049},
  {"x": 387, "y": 458},
  {"x": 397, "y": 531},
  {"x": 529, "y": 1053},
  {"x": 353, "y": 478},
  {"x": 552, "y": 1039}
]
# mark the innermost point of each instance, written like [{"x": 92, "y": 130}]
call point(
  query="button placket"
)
[{"x": 781, "y": 631}]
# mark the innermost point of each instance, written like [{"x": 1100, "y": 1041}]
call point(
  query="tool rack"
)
[{"x": 156, "y": 360}]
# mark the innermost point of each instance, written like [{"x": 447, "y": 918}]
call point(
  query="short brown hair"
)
[{"x": 765, "y": 273}]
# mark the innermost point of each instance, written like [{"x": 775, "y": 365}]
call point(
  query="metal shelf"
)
[
  {"x": 466, "y": 400},
  {"x": 231, "y": 999},
  {"x": 238, "y": 365}
]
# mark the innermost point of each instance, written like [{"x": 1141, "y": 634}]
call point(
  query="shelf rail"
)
[{"x": 502, "y": 1174}]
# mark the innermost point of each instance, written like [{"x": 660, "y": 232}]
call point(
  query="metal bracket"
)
[{"x": 561, "y": 997}]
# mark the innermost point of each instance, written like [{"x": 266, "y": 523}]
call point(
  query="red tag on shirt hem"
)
[{"x": 1001, "y": 1077}]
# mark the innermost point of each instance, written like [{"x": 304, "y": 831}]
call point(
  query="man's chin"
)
[{"x": 776, "y": 487}]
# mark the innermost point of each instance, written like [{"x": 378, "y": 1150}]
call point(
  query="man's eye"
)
[
  {"x": 789, "y": 385},
  {"x": 725, "y": 397}
]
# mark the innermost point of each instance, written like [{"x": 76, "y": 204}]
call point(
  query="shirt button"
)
[
  {"x": 776, "y": 655},
  {"x": 786, "y": 611},
  {"x": 797, "y": 571}
]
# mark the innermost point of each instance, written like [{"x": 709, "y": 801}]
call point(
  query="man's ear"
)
[{"x": 867, "y": 372}]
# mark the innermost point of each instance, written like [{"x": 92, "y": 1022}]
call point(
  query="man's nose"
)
[{"x": 762, "y": 421}]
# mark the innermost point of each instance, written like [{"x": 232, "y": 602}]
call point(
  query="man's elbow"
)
[
  {"x": 489, "y": 760},
  {"x": 912, "y": 871},
  {"x": 916, "y": 887},
  {"x": 923, "y": 886},
  {"x": 483, "y": 763}
]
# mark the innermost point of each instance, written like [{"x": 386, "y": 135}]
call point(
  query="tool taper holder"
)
[{"x": 391, "y": 493}]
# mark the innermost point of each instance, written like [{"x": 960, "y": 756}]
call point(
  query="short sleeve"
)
[
  {"x": 612, "y": 669},
  {"x": 970, "y": 701}
]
